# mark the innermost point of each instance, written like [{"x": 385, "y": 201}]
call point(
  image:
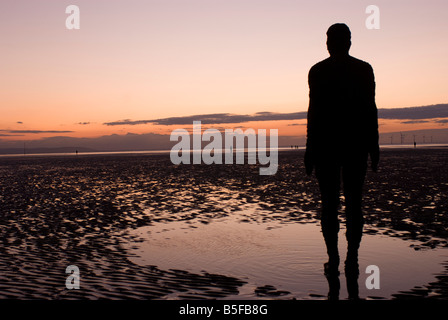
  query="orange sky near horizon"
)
[{"x": 154, "y": 59}]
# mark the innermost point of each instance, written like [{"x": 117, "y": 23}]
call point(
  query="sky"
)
[{"x": 158, "y": 59}]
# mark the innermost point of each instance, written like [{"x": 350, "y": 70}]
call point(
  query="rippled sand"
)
[{"x": 60, "y": 211}]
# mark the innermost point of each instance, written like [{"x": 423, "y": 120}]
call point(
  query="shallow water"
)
[{"x": 287, "y": 256}]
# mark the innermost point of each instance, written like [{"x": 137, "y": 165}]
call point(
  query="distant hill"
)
[
  {"x": 113, "y": 142},
  {"x": 150, "y": 141}
]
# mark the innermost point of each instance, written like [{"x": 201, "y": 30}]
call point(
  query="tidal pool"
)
[{"x": 287, "y": 256}]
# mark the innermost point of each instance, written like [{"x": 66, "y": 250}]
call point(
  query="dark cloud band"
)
[
  {"x": 411, "y": 113},
  {"x": 36, "y": 131}
]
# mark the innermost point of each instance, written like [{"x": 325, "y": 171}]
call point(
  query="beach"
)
[{"x": 139, "y": 227}]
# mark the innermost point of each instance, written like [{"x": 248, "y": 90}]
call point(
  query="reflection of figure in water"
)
[{"x": 342, "y": 131}]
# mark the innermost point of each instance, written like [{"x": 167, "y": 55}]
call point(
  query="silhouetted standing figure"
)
[{"x": 342, "y": 131}]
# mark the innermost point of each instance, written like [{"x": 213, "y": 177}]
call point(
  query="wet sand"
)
[{"x": 84, "y": 210}]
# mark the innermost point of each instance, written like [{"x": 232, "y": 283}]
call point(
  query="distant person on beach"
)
[{"x": 342, "y": 131}]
